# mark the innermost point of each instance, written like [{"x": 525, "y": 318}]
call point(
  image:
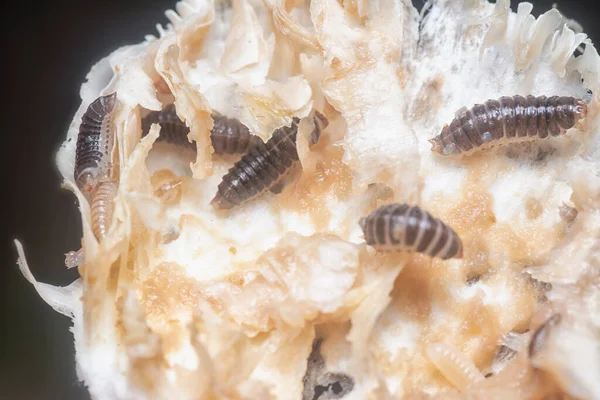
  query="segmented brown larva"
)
[
  {"x": 264, "y": 166},
  {"x": 541, "y": 334},
  {"x": 94, "y": 143},
  {"x": 508, "y": 120},
  {"x": 102, "y": 208},
  {"x": 172, "y": 129},
  {"x": 400, "y": 227},
  {"x": 228, "y": 135}
]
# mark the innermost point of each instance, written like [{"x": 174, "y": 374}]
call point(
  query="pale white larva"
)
[{"x": 456, "y": 368}]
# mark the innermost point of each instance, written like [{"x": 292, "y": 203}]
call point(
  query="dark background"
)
[{"x": 46, "y": 52}]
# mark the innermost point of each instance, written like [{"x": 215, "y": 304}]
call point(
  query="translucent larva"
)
[
  {"x": 263, "y": 167},
  {"x": 508, "y": 120},
  {"x": 102, "y": 208},
  {"x": 167, "y": 186},
  {"x": 94, "y": 143},
  {"x": 228, "y": 135},
  {"x": 455, "y": 367},
  {"x": 74, "y": 258},
  {"x": 400, "y": 227}
]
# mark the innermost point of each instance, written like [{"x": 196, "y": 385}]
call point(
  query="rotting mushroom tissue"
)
[{"x": 264, "y": 215}]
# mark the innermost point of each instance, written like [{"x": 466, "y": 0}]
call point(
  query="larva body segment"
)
[
  {"x": 94, "y": 143},
  {"x": 456, "y": 368},
  {"x": 228, "y": 135},
  {"x": 508, "y": 120},
  {"x": 172, "y": 129},
  {"x": 400, "y": 227},
  {"x": 264, "y": 166},
  {"x": 102, "y": 208}
]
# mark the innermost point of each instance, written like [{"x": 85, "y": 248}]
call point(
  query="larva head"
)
[
  {"x": 438, "y": 146},
  {"x": 221, "y": 203},
  {"x": 459, "y": 252},
  {"x": 108, "y": 102},
  {"x": 580, "y": 110},
  {"x": 87, "y": 181},
  {"x": 363, "y": 224}
]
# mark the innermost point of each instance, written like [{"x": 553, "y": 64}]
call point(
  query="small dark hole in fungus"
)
[
  {"x": 336, "y": 387},
  {"x": 579, "y": 50},
  {"x": 320, "y": 384},
  {"x": 319, "y": 390},
  {"x": 472, "y": 278}
]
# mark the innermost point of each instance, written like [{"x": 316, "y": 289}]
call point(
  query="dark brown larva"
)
[
  {"x": 400, "y": 227},
  {"x": 102, "y": 208},
  {"x": 508, "y": 120},
  {"x": 172, "y": 129},
  {"x": 264, "y": 166},
  {"x": 541, "y": 335},
  {"x": 228, "y": 135},
  {"x": 94, "y": 143}
]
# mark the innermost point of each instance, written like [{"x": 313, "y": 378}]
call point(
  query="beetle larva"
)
[
  {"x": 508, "y": 120},
  {"x": 167, "y": 186},
  {"x": 264, "y": 166},
  {"x": 400, "y": 227},
  {"x": 172, "y": 129},
  {"x": 94, "y": 143},
  {"x": 456, "y": 368},
  {"x": 228, "y": 135},
  {"x": 541, "y": 334},
  {"x": 74, "y": 258},
  {"x": 102, "y": 208}
]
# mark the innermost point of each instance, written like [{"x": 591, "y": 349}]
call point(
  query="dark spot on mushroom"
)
[
  {"x": 320, "y": 384},
  {"x": 541, "y": 335},
  {"x": 472, "y": 278}
]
